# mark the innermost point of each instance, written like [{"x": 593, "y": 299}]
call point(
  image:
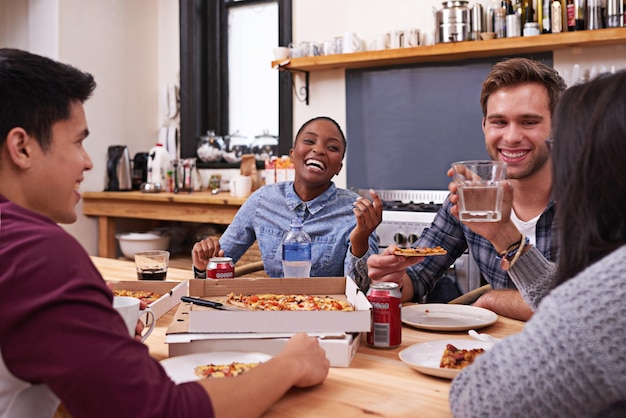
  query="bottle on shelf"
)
[
  {"x": 546, "y": 17},
  {"x": 615, "y": 13},
  {"x": 594, "y": 15},
  {"x": 557, "y": 17},
  {"x": 531, "y": 27},
  {"x": 513, "y": 20},
  {"x": 500, "y": 23},
  {"x": 580, "y": 11},
  {"x": 491, "y": 15},
  {"x": 570, "y": 8},
  {"x": 296, "y": 251}
]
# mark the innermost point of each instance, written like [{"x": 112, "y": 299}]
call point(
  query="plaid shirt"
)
[{"x": 456, "y": 238}]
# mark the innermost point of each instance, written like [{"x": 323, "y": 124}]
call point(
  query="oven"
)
[{"x": 406, "y": 213}]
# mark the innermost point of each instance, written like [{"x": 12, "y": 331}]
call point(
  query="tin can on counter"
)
[
  {"x": 386, "y": 301},
  {"x": 220, "y": 268}
]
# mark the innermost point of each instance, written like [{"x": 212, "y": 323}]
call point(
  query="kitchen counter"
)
[
  {"x": 377, "y": 383},
  {"x": 201, "y": 207}
]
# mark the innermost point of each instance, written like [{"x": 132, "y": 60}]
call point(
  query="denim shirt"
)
[
  {"x": 328, "y": 219},
  {"x": 447, "y": 231}
]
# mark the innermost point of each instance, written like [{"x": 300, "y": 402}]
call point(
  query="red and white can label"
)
[
  {"x": 386, "y": 301},
  {"x": 220, "y": 268}
]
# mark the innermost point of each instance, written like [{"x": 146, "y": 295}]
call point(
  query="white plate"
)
[
  {"x": 444, "y": 317},
  {"x": 181, "y": 369},
  {"x": 425, "y": 357}
]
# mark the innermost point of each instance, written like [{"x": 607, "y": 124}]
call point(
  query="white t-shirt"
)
[
  {"x": 22, "y": 399},
  {"x": 528, "y": 228}
]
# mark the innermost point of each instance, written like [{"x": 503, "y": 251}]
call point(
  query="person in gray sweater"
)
[{"x": 570, "y": 359}]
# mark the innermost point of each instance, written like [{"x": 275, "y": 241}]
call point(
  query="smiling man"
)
[
  {"x": 517, "y": 98},
  {"x": 341, "y": 224},
  {"x": 61, "y": 340}
]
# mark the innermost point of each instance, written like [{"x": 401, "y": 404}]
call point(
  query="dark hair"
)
[
  {"x": 36, "y": 92},
  {"x": 589, "y": 130},
  {"x": 308, "y": 122},
  {"x": 515, "y": 71}
]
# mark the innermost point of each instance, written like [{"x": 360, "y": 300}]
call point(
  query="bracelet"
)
[
  {"x": 506, "y": 263},
  {"x": 199, "y": 274},
  {"x": 510, "y": 251}
]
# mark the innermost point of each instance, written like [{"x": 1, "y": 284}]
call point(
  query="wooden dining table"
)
[{"x": 377, "y": 383}]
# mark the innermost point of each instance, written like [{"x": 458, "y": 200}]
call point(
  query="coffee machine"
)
[
  {"x": 140, "y": 169},
  {"x": 118, "y": 176}
]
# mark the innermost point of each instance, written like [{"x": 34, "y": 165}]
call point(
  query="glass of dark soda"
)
[{"x": 152, "y": 265}]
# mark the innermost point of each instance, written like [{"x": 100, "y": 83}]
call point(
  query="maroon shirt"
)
[{"x": 58, "y": 328}]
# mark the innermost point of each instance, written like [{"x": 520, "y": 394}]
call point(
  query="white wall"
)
[{"x": 131, "y": 48}]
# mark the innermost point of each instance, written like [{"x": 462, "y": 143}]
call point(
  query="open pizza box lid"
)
[
  {"x": 207, "y": 320},
  {"x": 170, "y": 291}
]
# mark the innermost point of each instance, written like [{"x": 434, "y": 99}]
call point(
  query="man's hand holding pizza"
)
[{"x": 387, "y": 267}]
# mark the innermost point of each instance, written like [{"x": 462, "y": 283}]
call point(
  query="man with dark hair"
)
[
  {"x": 60, "y": 338},
  {"x": 518, "y": 98}
]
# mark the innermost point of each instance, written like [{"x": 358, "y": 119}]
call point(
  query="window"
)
[{"x": 226, "y": 48}]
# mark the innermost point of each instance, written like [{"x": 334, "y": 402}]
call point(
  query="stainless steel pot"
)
[{"x": 453, "y": 21}]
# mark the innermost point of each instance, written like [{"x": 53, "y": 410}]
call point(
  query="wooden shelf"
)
[{"x": 458, "y": 51}]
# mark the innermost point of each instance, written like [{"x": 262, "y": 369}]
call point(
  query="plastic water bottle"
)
[{"x": 296, "y": 251}]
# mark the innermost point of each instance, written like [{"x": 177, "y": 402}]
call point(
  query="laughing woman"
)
[{"x": 341, "y": 223}]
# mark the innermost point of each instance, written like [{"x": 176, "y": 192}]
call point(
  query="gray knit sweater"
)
[{"x": 570, "y": 359}]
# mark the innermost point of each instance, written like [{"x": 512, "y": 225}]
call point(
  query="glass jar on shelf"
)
[
  {"x": 265, "y": 146},
  {"x": 210, "y": 147}
]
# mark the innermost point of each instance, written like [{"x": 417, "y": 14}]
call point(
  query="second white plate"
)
[
  {"x": 445, "y": 317},
  {"x": 425, "y": 357},
  {"x": 181, "y": 369}
]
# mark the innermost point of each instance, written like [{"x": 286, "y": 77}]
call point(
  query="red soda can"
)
[
  {"x": 386, "y": 301},
  {"x": 220, "y": 268}
]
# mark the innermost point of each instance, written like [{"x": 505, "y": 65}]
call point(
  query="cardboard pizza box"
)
[
  {"x": 170, "y": 291},
  {"x": 208, "y": 320},
  {"x": 340, "y": 347}
]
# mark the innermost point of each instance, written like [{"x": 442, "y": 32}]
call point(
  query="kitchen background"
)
[{"x": 132, "y": 49}]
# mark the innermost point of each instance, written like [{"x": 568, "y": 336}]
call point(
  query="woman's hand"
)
[
  {"x": 369, "y": 214},
  {"x": 203, "y": 251}
]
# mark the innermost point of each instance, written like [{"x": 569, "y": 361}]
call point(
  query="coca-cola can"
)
[
  {"x": 386, "y": 301},
  {"x": 220, "y": 268}
]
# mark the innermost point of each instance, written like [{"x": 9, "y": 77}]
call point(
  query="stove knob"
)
[
  {"x": 413, "y": 238},
  {"x": 399, "y": 239}
]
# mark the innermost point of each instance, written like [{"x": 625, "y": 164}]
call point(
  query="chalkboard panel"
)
[{"x": 406, "y": 125}]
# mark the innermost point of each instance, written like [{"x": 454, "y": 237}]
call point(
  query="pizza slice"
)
[
  {"x": 420, "y": 251},
  {"x": 143, "y": 295},
  {"x": 457, "y": 358},
  {"x": 224, "y": 370},
  {"x": 280, "y": 302}
]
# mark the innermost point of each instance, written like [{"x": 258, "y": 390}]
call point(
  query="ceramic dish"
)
[
  {"x": 445, "y": 317},
  {"x": 181, "y": 369},
  {"x": 425, "y": 357}
]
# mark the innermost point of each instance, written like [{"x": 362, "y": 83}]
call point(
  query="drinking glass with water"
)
[{"x": 480, "y": 189}]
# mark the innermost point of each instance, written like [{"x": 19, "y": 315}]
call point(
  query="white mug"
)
[
  {"x": 396, "y": 39},
  {"x": 281, "y": 52},
  {"x": 351, "y": 43},
  {"x": 128, "y": 308},
  {"x": 411, "y": 38},
  {"x": 381, "y": 42},
  {"x": 240, "y": 186}
]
